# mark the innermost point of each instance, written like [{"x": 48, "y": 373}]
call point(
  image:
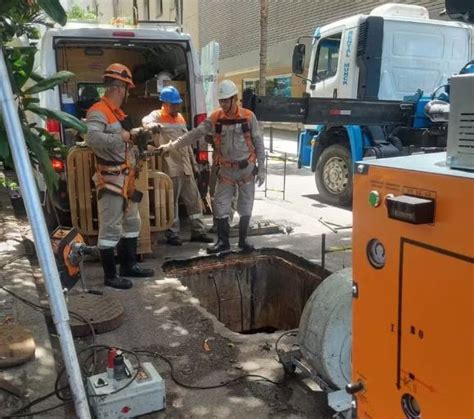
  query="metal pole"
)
[
  {"x": 298, "y": 140},
  {"x": 323, "y": 252},
  {"x": 271, "y": 138},
  {"x": 284, "y": 177},
  {"x": 266, "y": 172},
  {"x": 44, "y": 251}
]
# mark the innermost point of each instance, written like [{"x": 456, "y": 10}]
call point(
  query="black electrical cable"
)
[
  {"x": 289, "y": 332},
  {"x": 101, "y": 347},
  {"x": 12, "y": 259},
  {"x": 47, "y": 309},
  {"x": 32, "y": 403},
  {"x": 39, "y": 307},
  {"x": 42, "y": 309},
  {"x": 57, "y": 391},
  {"x": 38, "y": 412},
  {"x": 195, "y": 387}
]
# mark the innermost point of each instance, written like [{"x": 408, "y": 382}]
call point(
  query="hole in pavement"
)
[{"x": 260, "y": 292}]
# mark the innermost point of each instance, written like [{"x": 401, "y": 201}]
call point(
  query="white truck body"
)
[{"x": 417, "y": 53}]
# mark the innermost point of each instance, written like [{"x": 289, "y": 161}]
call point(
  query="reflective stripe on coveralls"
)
[
  {"x": 115, "y": 221},
  {"x": 234, "y": 174},
  {"x": 105, "y": 139},
  {"x": 234, "y": 148},
  {"x": 176, "y": 162},
  {"x": 179, "y": 166},
  {"x": 219, "y": 119},
  {"x": 109, "y": 173}
]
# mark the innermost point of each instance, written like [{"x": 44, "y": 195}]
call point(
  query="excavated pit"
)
[{"x": 263, "y": 291}]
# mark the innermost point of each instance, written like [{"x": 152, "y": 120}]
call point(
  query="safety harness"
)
[
  {"x": 106, "y": 170},
  {"x": 219, "y": 119}
]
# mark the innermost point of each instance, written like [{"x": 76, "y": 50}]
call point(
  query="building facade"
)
[{"x": 235, "y": 24}]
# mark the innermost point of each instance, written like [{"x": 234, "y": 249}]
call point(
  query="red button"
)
[{"x": 125, "y": 409}]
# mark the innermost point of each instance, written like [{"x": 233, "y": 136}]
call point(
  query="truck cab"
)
[
  {"x": 157, "y": 54},
  {"x": 389, "y": 54}
]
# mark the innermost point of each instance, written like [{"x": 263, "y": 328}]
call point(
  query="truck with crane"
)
[{"x": 375, "y": 87}]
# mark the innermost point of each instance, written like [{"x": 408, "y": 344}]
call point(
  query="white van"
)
[{"x": 157, "y": 57}]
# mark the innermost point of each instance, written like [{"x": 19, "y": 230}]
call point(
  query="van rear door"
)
[{"x": 149, "y": 60}]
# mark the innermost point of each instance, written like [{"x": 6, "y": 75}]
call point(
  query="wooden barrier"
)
[{"x": 156, "y": 208}]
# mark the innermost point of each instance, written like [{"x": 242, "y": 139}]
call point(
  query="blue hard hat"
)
[{"x": 170, "y": 94}]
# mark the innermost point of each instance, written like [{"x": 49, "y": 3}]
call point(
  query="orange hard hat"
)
[{"x": 119, "y": 72}]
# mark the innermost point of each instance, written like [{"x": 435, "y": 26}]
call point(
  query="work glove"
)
[
  {"x": 260, "y": 178},
  {"x": 165, "y": 148},
  {"x": 126, "y": 136},
  {"x": 154, "y": 128}
]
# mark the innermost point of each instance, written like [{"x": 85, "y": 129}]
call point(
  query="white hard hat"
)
[{"x": 226, "y": 89}]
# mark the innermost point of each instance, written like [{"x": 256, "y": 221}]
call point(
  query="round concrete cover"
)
[
  {"x": 17, "y": 345},
  {"x": 105, "y": 313}
]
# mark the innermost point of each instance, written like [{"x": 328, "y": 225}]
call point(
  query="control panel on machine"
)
[{"x": 411, "y": 209}]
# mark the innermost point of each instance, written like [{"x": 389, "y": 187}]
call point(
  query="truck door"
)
[
  {"x": 332, "y": 69},
  {"x": 324, "y": 72}
]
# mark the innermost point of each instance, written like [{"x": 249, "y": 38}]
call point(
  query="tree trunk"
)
[{"x": 263, "y": 46}]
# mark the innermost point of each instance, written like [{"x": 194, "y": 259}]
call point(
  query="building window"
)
[
  {"x": 159, "y": 8},
  {"x": 327, "y": 57},
  {"x": 279, "y": 85}
]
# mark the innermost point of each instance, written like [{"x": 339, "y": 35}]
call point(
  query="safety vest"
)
[
  {"x": 172, "y": 121},
  {"x": 219, "y": 119},
  {"x": 117, "y": 177},
  {"x": 177, "y": 162}
]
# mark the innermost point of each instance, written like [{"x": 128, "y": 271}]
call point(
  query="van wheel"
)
[{"x": 334, "y": 175}]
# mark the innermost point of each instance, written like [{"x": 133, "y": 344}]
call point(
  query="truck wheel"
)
[{"x": 334, "y": 175}]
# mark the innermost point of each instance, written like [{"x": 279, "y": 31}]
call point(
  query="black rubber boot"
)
[
  {"x": 223, "y": 230},
  {"x": 202, "y": 238},
  {"x": 127, "y": 253},
  {"x": 213, "y": 229},
  {"x": 111, "y": 279},
  {"x": 243, "y": 233},
  {"x": 174, "y": 241}
]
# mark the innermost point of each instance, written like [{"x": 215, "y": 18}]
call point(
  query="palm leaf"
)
[
  {"x": 63, "y": 117},
  {"x": 22, "y": 60},
  {"x": 41, "y": 156},
  {"x": 4, "y": 146},
  {"x": 54, "y": 10},
  {"x": 49, "y": 83}
]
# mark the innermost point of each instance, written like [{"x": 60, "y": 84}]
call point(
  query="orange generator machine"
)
[{"x": 413, "y": 278}]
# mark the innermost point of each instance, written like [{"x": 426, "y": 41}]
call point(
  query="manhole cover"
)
[
  {"x": 16, "y": 345},
  {"x": 105, "y": 313}
]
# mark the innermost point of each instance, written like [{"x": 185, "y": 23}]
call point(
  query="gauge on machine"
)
[{"x": 376, "y": 253}]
